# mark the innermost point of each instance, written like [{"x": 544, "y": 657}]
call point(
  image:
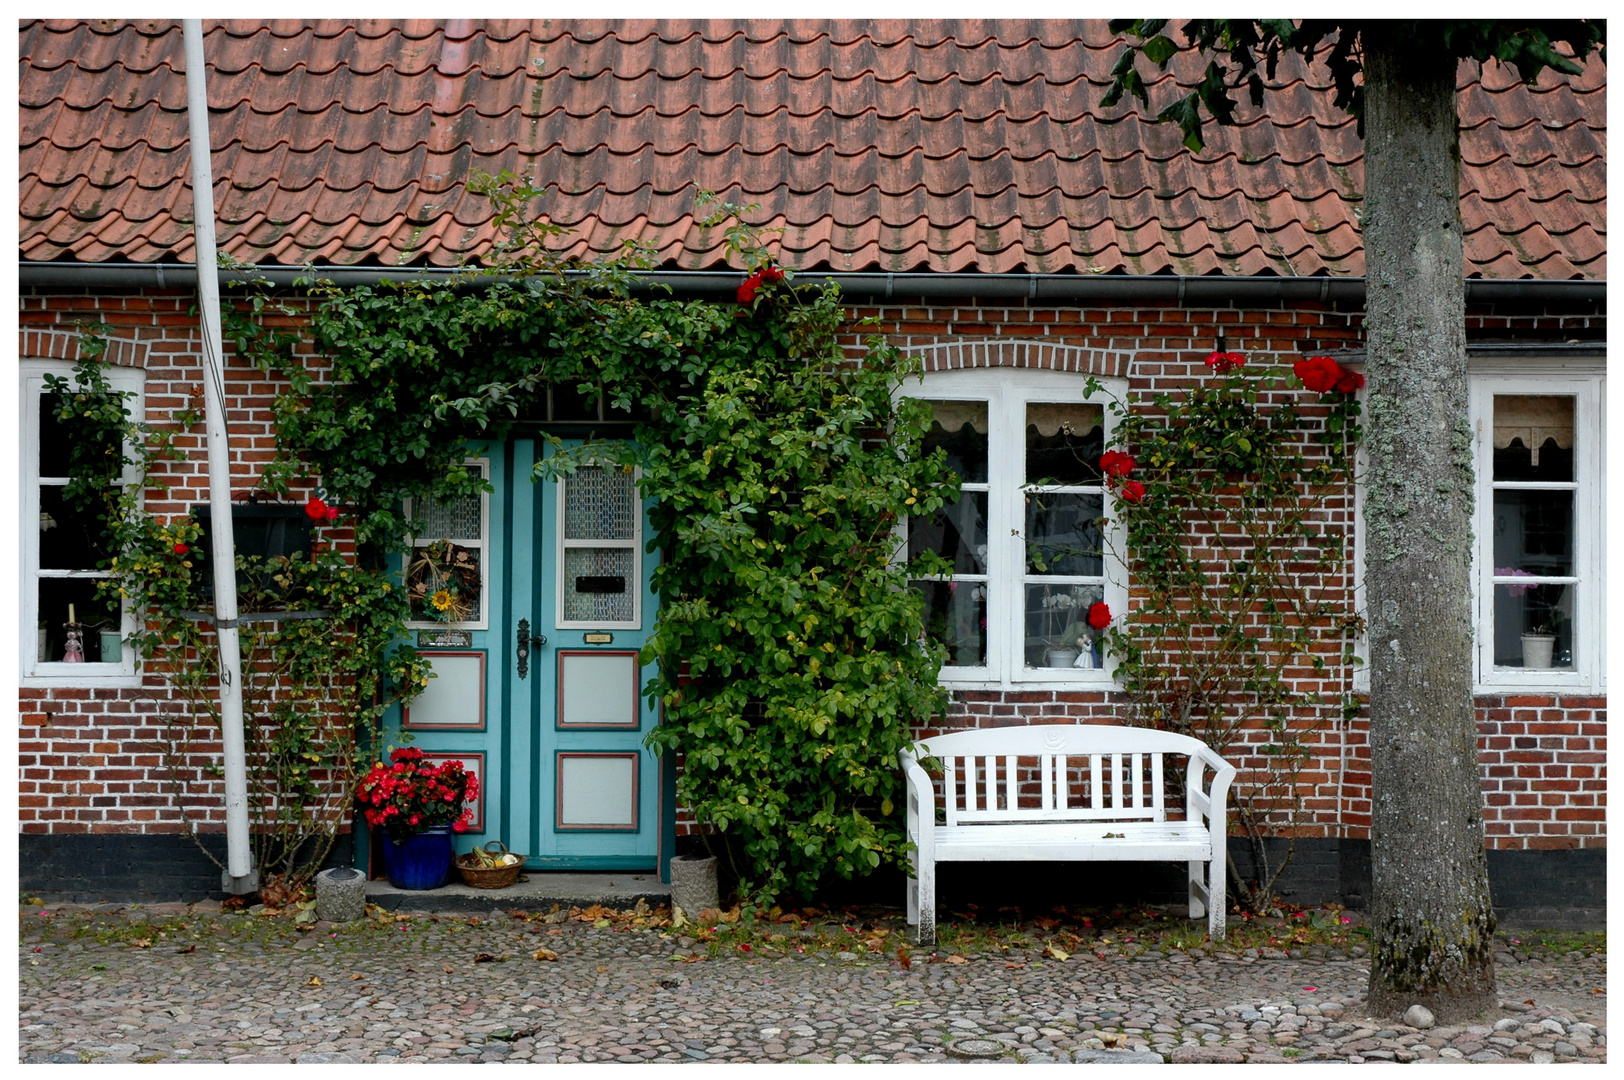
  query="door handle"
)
[{"x": 522, "y": 650}]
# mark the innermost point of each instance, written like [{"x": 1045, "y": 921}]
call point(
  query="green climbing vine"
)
[
  {"x": 1236, "y": 506},
  {"x": 781, "y": 468},
  {"x": 321, "y": 658}
]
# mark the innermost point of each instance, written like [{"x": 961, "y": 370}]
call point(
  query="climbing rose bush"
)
[{"x": 409, "y": 794}]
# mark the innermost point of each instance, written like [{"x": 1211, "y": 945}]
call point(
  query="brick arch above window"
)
[
  {"x": 56, "y": 344},
  {"x": 968, "y": 353}
]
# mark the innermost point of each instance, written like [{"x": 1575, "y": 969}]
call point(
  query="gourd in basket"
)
[{"x": 490, "y": 867}]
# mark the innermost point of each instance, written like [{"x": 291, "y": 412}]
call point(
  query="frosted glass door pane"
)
[
  {"x": 598, "y": 792},
  {"x": 598, "y": 691}
]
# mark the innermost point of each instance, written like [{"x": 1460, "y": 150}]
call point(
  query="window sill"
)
[
  {"x": 119, "y": 681},
  {"x": 1060, "y": 680}
]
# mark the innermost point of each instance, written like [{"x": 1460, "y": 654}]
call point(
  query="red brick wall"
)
[{"x": 88, "y": 759}]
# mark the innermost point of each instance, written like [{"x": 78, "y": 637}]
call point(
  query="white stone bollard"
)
[{"x": 693, "y": 886}]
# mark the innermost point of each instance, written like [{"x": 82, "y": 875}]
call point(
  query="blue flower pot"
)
[{"x": 421, "y": 860}]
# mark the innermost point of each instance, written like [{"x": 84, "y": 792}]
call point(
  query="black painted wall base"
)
[
  {"x": 91, "y": 868},
  {"x": 1550, "y": 890}
]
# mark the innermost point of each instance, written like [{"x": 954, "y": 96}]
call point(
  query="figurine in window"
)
[{"x": 72, "y": 651}]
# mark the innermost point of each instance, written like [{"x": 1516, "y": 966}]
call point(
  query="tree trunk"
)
[{"x": 1430, "y": 909}]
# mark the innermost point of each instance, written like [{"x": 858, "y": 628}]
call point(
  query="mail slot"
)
[{"x": 604, "y": 583}]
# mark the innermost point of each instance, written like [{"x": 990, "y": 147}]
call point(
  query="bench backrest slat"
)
[{"x": 1052, "y": 775}]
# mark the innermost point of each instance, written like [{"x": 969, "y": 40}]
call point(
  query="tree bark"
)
[{"x": 1430, "y": 909}]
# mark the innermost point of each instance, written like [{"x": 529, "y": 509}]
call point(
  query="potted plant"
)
[
  {"x": 1539, "y": 642},
  {"x": 1076, "y": 645},
  {"x": 418, "y": 805}
]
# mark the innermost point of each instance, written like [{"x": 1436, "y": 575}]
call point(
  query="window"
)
[
  {"x": 1538, "y": 559},
  {"x": 600, "y": 578},
  {"x": 70, "y": 635},
  {"x": 1030, "y": 536},
  {"x": 448, "y": 567}
]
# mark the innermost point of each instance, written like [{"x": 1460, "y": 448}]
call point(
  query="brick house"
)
[{"x": 962, "y": 184}]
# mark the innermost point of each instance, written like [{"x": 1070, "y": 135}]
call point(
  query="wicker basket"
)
[{"x": 489, "y": 877}]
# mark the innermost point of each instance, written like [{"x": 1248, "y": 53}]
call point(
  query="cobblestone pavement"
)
[{"x": 168, "y": 983}]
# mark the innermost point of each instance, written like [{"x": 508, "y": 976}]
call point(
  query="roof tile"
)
[{"x": 895, "y": 145}]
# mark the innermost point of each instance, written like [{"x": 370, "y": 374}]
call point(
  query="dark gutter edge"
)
[{"x": 1184, "y": 290}]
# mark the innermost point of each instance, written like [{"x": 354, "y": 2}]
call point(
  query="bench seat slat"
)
[{"x": 1133, "y": 841}]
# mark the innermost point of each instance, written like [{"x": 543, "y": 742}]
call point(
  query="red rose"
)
[
  {"x": 1318, "y": 373},
  {"x": 1115, "y": 463},
  {"x": 181, "y": 549},
  {"x": 1132, "y": 491},
  {"x": 1349, "y": 382},
  {"x": 316, "y": 509},
  {"x": 771, "y": 273},
  {"x": 332, "y": 513},
  {"x": 1221, "y": 362},
  {"x": 1099, "y": 615}
]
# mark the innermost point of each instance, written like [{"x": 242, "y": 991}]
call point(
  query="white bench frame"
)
[{"x": 1124, "y": 817}]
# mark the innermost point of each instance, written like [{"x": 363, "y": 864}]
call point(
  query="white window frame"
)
[
  {"x": 634, "y": 545},
  {"x": 481, "y": 465},
  {"x": 1587, "y": 384},
  {"x": 1007, "y": 391},
  {"x": 48, "y": 673}
]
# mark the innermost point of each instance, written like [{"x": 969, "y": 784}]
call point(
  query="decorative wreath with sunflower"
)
[{"x": 442, "y": 583}]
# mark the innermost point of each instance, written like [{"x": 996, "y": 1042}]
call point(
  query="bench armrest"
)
[
  {"x": 920, "y": 804},
  {"x": 1213, "y": 804}
]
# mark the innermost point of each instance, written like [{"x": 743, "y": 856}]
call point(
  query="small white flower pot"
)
[
  {"x": 1061, "y": 658},
  {"x": 1537, "y": 650}
]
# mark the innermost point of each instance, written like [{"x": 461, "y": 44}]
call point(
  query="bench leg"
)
[
  {"x": 1217, "y": 899},
  {"x": 922, "y": 904},
  {"x": 1198, "y": 871}
]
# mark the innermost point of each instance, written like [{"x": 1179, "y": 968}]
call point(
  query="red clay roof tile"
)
[{"x": 893, "y": 145}]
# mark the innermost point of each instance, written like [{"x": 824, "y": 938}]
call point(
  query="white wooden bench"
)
[{"x": 1065, "y": 794}]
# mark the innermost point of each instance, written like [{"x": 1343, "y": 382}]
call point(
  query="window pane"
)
[
  {"x": 1544, "y": 614},
  {"x": 56, "y": 438},
  {"x": 1063, "y": 443},
  {"x": 1057, "y": 630},
  {"x": 961, "y": 428},
  {"x": 1063, "y": 534},
  {"x": 956, "y": 617},
  {"x": 1533, "y": 437},
  {"x": 598, "y": 584},
  {"x": 598, "y": 504},
  {"x": 957, "y": 532},
  {"x": 70, "y": 538},
  {"x": 1533, "y": 532},
  {"x": 457, "y": 519},
  {"x": 94, "y": 617}
]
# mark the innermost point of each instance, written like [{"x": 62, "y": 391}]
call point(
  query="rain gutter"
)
[{"x": 1185, "y": 291}]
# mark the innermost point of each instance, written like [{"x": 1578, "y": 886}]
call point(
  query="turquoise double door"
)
[{"x": 538, "y": 688}]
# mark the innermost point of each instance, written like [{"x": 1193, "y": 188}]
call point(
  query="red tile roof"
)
[{"x": 893, "y": 146}]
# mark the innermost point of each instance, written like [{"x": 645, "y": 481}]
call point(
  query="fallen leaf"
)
[
  {"x": 314, "y": 980},
  {"x": 1309, "y": 989},
  {"x": 544, "y": 953},
  {"x": 357, "y": 977},
  {"x": 1112, "y": 1039},
  {"x": 189, "y": 948},
  {"x": 601, "y": 924},
  {"x": 142, "y": 943},
  {"x": 448, "y": 969},
  {"x": 484, "y": 958},
  {"x": 904, "y": 1003},
  {"x": 957, "y": 959},
  {"x": 1013, "y": 967},
  {"x": 904, "y": 957},
  {"x": 1057, "y": 953},
  {"x": 602, "y": 969}
]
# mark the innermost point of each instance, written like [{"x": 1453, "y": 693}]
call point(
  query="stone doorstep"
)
[{"x": 621, "y": 889}]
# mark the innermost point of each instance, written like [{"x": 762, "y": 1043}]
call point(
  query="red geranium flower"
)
[
  {"x": 1221, "y": 362},
  {"x": 1132, "y": 491},
  {"x": 1099, "y": 615},
  {"x": 1115, "y": 463},
  {"x": 1318, "y": 373},
  {"x": 181, "y": 549}
]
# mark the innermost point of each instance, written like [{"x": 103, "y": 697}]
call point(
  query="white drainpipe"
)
[{"x": 240, "y": 875}]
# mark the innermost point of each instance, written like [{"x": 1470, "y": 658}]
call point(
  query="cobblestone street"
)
[{"x": 170, "y": 983}]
